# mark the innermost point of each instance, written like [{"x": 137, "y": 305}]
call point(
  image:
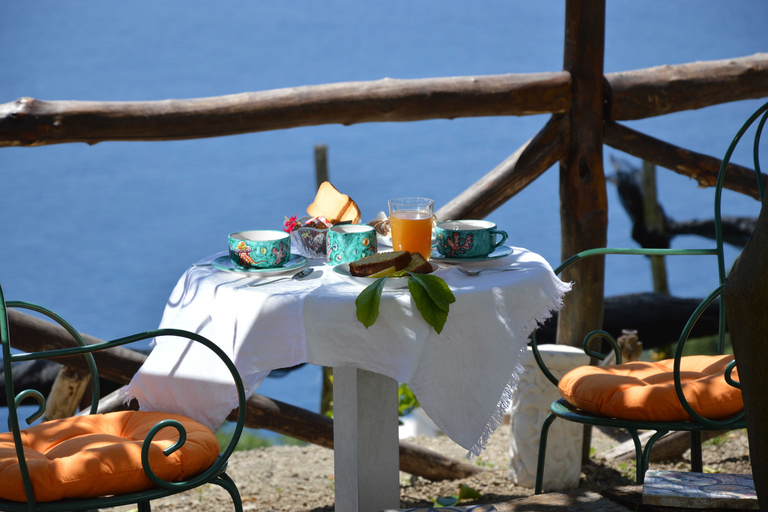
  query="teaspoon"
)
[{"x": 297, "y": 276}]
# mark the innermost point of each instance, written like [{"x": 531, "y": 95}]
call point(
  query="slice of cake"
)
[
  {"x": 380, "y": 261},
  {"x": 418, "y": 264}
]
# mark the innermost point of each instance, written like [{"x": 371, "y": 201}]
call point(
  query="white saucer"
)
[
  {"x": 500, "y": 252},
  {"x": 390, "y": 283},
  {"x": 295, "y": 262}
]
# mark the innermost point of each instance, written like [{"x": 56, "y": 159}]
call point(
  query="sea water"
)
[{"x": 102, "y": 233}]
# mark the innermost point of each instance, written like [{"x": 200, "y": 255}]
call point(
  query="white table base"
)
[{"x": 366, "y": 445}]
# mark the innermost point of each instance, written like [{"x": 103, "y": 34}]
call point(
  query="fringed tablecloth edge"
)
[{"x": 502, "y": 407}]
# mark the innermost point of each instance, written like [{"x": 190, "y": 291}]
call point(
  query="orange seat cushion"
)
[
  {"x": 646, "y": 391},
  {"x": 98, "y": 455}
]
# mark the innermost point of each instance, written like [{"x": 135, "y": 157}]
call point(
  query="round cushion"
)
[
  {"x": 646, "y": 391},
  {"x": 98, "y": 455}
]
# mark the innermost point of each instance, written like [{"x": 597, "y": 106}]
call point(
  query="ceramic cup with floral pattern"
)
[
  {"x": 468, "y": 238},
  {"x": 350, "y": 242},
  {"x": 259, "y": 248}
]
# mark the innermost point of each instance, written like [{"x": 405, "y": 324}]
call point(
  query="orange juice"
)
[{"x": 412, "y": 231}]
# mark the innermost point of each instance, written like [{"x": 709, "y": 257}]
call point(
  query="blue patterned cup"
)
[
  {"x": 259, "y": 248},
  {"x": 468, "y": 238},
  {"x": 350, "y": 242}
]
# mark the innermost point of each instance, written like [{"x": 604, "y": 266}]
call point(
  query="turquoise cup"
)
[
  {"x": 350, "y": 242},
  {"x": 468, "y": 238},
  {"x": 259, "y": 248}
]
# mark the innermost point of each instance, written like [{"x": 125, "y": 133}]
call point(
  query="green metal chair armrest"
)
[{"x": 214, "y": 473}]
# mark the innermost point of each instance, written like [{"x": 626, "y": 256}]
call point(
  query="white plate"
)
[
  {"x": 391, "y": 283},
  {"x": 500, "y": 252},
  {"x": 294, "y": 262}
]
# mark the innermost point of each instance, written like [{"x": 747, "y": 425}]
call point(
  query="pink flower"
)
[{"x": 290, "y": 224}]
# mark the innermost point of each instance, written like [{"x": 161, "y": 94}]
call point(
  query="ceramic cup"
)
[
  {"x": 350, "y": 242},
  {"x": 468, "y": 238},
  {"x": 259, "y": 248}
]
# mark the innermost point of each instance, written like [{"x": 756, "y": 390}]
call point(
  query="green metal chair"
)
[
  {"x": 696, "y": 423},
  {"x": 15, "y": 451}
]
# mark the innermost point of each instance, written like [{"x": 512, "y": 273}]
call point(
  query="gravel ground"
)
[{"x": 300, "y": 478}]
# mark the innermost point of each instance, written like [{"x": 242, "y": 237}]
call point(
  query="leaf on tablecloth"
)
[{"x": 431, "y": 295}]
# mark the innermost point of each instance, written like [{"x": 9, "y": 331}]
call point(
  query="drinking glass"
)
[{"x": 411, "y": 223}]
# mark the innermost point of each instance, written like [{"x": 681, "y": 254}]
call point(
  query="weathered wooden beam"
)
[
  {"x": 700, "y": 167},
  {"x": 31, "y": 122},
  {"x": 66, "y": 394},
  {"x": 662, "y": 90},
  {"x": 583, "y": 195},
  {"x": 671, "y": 446},
  {"x": 512, "y": 175},
  {"x": 29, "y": 333}
]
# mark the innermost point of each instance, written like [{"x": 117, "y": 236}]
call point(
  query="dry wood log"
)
[
  {"x": 633, "y": 95},
  {"x": 671, "y": 446},
  {"x": 262, "y": 412},
  {"x": 658, "y": 318},
  {"x": 665, "y": 89},
  {"x": 702, "y": 168},
  {"x": 583, "y": 196},
  {"x": 512, "y": 175},
  {"x": 30, "y": 122},
  {"x": 29, "y": 333},
  {"x": 66, "y": 394}
]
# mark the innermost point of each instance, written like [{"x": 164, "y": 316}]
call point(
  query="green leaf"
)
[
  {"x": 432, "y": 313},
  {"x": 468, "y": 493},
  {"x": 407, "y": 401},
  {"x": 368, "y": 301},
  {"x": 431, "y": 295},
  {"x": 437, "y": 288}
]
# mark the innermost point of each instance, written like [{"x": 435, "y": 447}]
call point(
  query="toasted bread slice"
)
[{"x": 333, "y": 205}]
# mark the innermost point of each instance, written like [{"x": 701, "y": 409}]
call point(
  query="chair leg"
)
[
  {"x": 144, "y": 506},
  {"x": 224, "y": 481},
  {"x": 543, "y": 452},
  {"x": 639, "y": 472},
  {"x": 697, "y": 465},
  {"x": 647, "y": 455}
]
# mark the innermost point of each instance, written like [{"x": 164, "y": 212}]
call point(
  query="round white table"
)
[{"x": 462, "y": 377}]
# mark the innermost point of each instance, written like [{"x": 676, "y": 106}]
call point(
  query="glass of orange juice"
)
[{"x": 411, "y": 223}]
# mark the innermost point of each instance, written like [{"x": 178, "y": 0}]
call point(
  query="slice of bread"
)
[
  {"x": 333, "y": 205},
  {"x": 418, "y": 264},
  {"x": 377, "y": 262}
]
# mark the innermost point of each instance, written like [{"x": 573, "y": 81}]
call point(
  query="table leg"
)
[{"x": 365, "y": 440}]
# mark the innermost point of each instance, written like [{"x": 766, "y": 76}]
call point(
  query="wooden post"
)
[
  {"x": 321, "y": 174},
  {"x": 321, "y": 163},
  {"x": 583, "y": 195},
  {"x": 654, "y": 221}
]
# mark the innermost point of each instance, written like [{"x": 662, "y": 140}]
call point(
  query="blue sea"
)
[{"x": 101, "y": 233}]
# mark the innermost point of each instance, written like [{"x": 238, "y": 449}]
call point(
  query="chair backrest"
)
[
  {"x": 760, "y": 116},
  {"x": 84, "y": 349}
]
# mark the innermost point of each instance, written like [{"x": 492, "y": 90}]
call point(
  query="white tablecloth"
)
[{"x": 462, "y": 377}]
